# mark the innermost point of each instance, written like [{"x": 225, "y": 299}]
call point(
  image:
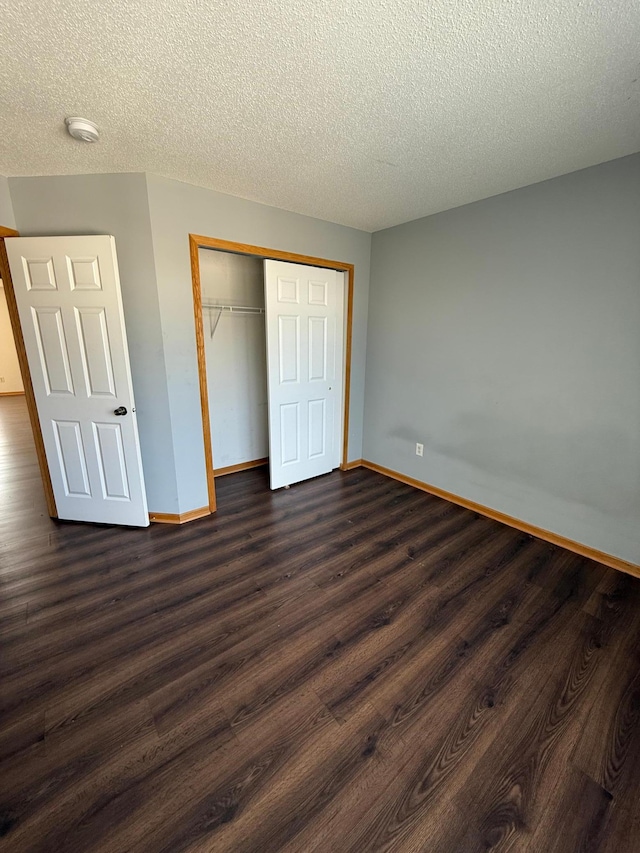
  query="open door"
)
[
  {"x": 67, "y": 291},
  {"x": 303, "y": 321}
]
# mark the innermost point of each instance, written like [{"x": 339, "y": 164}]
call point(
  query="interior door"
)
[
  {"x": 68, "y": 295},
  {"x": 304, "y": 399}
]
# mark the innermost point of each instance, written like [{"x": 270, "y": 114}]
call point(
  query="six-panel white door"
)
[
  {"x": 302, "y": 320},
  {"x": 68, "y": 295}
]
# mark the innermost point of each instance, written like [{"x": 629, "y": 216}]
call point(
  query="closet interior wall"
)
[{"x": 236, "y": 357}]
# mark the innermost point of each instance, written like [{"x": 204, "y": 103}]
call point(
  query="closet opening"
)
[
  {"x": 274, "y": 372},
  {"x": 236, "y": 362}
]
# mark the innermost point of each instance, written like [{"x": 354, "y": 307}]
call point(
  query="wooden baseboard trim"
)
[
  {"x": 11, "y": 393},
  {"x": 349, "y": 466},
  {"x": 179, "y": 518},
  {"x": 241, "y": 466},
  {"x": 539, "y": 532}
]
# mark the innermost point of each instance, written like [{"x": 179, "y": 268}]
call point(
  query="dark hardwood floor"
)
[{"x": 348, "y": 665}]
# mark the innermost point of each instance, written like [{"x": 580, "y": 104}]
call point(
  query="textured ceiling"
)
[{"x": 363, "y": 112}]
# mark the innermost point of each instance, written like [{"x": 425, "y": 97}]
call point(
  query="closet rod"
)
[{"x": 228, "y": 309}]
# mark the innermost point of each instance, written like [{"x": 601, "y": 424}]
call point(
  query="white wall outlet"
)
[{"x": 419, "y": 449}]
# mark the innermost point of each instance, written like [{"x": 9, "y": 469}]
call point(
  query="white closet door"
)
[
  {"x": 304, "y": 400},
  {"x": 68, "y": 295}
]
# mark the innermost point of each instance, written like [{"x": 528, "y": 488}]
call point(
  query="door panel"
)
[
  {"x": 288, "y": 289},
  {"x": 95, "y": 351},
  {"x": 39, "y": 273},
  {"x": 317, "y": 349},
  {"x": 72, "y": 459},
  {"x": 111, "y": 463},
  {"x": 302, "y": 323},
  {"x": 317, "y": 428},
  {"x": 52, "y": 350},
  {"x": 68, "y": 295},
  {"x": 290, "y": 433},
  {"x": 84, "y": 273},
  {"x": 289, "y": 349},
  {"x": 318, "y": 293}
]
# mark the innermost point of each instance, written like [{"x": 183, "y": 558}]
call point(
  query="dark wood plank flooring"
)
[{"x": 348, "y": 665}]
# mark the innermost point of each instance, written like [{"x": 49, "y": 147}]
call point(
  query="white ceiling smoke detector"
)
[{"x": 82, "y": 129}]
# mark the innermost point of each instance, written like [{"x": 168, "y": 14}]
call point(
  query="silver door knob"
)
[{"x": 120, "y": 411}]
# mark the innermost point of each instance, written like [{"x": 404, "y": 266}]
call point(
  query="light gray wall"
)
[
  {"x": 118, "y": 205},
  {"x": 176, "y": 210},
  {"x": 7, "y": 217},
  {"x": 504, "y": 335},
  {"x": 236, "y": 358}
]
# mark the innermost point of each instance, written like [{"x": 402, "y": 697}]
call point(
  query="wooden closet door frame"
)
[{"x": 196, "y": 242}]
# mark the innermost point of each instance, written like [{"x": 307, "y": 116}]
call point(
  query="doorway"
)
[
  {"x": 234, "y": 331},
  {"x": 29, "y": 398},
  {"x": 10, "y": 377},
  {"x": 208, "y": 316},
  {"x": 23, "y": 509}
]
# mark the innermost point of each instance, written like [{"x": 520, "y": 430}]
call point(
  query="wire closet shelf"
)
[{"x": 216, "y": 310}]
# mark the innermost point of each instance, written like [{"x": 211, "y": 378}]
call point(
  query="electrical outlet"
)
[
  {"x": 419, "y": 449},
  {"x": 1, "y": 378}
]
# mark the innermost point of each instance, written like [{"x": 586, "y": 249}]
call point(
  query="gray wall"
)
[
  {"x": 6, "y": 207},
  {"x": 151, "y": 218},
  {"x": 118, "y": 205},
  {"x": 176, "y": 210},
  {"x": 504, "y": 335}
]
